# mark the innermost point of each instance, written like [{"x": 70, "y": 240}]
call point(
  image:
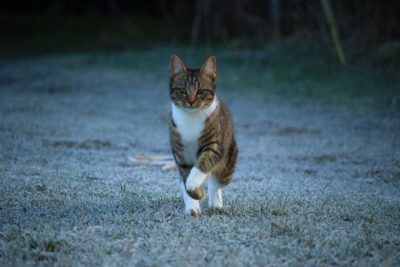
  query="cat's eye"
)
[
  {"x": 203, "y": 91},
  {"x": 182, "y": 91}
]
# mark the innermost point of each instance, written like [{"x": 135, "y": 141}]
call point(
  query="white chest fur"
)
[{"x": 190, "y": 124}]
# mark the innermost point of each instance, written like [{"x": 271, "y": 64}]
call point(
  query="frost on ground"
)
[{"x": 315, "y": 185}]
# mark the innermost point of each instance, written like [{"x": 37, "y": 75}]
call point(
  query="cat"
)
[{"x": 201, "y": 134}]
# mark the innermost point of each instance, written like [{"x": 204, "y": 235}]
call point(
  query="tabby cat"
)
[{"x": 201, "y": 134}]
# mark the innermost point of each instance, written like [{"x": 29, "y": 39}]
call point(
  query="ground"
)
[{"x": 317, "y": 183}]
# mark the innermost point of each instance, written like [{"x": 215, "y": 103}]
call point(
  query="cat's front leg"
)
[
  {"x": 194, "y": 181},
  {"x": 192, "y": 206},
  {"x": 209, "y": 156}
]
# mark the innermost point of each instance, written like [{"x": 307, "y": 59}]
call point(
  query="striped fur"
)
[{"x": 201, "y": 133}]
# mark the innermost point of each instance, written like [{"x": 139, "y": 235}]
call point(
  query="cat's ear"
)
[
  {"x": 176, "y": 66},
  {"x": 209, "y": 68}
]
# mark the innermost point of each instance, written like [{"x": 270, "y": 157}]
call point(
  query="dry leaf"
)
[
  {"x": 166, "y": 162},
  {"x": 169, "y": 166}
]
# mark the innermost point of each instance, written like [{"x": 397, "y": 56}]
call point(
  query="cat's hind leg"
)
[
  {"x": 220, "y": 177},
  {"x": 192, "y": 206},
  {"x": 214, "y": 193}
]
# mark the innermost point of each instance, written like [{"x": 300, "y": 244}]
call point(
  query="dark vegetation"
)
[
  {"x": 284, "y": 48},
  {"x": 366, "y": 28}
]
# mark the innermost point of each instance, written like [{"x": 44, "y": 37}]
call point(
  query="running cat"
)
[{"x": 201, "y": 134}]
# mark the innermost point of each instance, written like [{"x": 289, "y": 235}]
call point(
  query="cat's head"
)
[{"x": 192, "y": 88}]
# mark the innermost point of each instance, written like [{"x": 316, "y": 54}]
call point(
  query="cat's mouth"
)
[{"x": 192, "y": 107}]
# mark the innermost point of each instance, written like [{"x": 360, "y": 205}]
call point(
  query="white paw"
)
[
  {"x": 215, "y": 201},
  {"x": 195, "y": 179},
  {"x": 193, "y": 210},
  {"x": 214, "y": 194}
]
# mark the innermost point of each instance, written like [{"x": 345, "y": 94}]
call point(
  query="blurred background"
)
[
  {"x": 353, "y": 44},
  {"x": 363, "y": 26}
]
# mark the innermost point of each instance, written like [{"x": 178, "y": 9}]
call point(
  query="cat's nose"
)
[{"x": 191, "y": 99}]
